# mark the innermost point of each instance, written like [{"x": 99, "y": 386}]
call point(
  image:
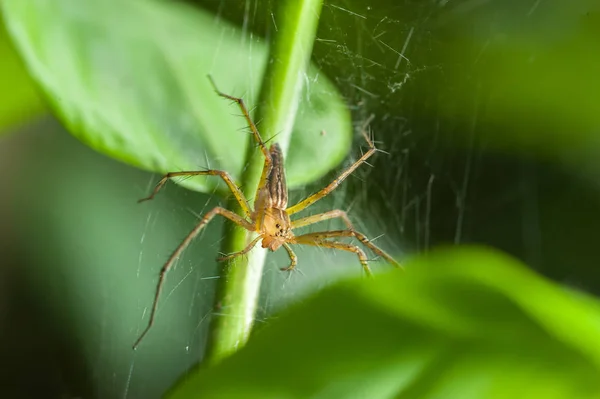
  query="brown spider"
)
[{"x": 271, "y": 216}]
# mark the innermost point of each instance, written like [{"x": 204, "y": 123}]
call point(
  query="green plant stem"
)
[{"x": 239, "y": 284}]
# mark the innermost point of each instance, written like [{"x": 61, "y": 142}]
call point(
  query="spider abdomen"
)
[{"x": 276, "y": 184}]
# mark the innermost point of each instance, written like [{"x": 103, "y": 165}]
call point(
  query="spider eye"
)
[{"x": 277, "y": 225}]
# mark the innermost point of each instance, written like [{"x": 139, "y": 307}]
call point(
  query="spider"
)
[{"x": 270, "y": 217}]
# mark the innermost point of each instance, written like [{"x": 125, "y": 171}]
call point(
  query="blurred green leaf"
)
[
  {"x": 129, "y": 80},
  {"x": 19, "y": 99},
  {"x": 529, "y": 74},
  {"x": 467, "y": 323}
]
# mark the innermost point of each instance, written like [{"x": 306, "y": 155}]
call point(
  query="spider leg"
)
[
  {"x": 244, "y": 109},
  {"x": 186, "y": 241},
  {"x": 351, "y": 232},
  {"x": 237, "y": 193},
  {"x": 315, "y": 239},
  {"x": 334, "y": 184},
  {"x": 336, "y": 213},
  {"x": 263, "y": 148},
  {"x": 242, "y": 252},
  {"x": 293, "y": 258}
]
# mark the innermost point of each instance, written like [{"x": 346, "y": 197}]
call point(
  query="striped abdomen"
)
[{"x": 275, "y": 184}]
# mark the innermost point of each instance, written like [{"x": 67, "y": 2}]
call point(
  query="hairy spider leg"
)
[
  {"x": 316, "y": 239},
  {"x": 188, "y": 239},
  {"x": 320, "y": 217},
  {"x": 263, "y": 148},
  {"x": 351, "y": 232},
  {"x": 244, "y": 109},
  {"x": 235, "y": 190},
  {"x": 305, "y": 203},
  {"x": 242, "y": 252},
  {"x": 293, "y": 258}
]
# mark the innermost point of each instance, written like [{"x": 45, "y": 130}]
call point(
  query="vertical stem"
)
[{"x": 295, "y": 28}]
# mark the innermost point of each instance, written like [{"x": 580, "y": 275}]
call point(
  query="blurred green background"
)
[{"x": 488, "y": 113}]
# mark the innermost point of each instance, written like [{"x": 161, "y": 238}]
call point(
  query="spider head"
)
[{"x": 276, "y": 228}]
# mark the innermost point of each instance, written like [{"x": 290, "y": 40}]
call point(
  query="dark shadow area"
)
[{"x": 39, "y": 356}]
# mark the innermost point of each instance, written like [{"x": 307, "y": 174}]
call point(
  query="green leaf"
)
[
  {"x": 462, "y": 323},
  {"x": 534, "y": 81},
  {"x": 129, "y": 79},
  {"x": 19, "y": 99}
]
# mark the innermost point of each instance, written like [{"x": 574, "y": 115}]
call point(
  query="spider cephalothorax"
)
[
  {"x": 275, "y": 229},
  {"x": 270, "y": 218}
]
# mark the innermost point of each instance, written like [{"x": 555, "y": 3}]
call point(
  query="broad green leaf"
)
[
  {"x": 19, "y": 99},
  {"x": 129, "y": 79},
  {"x": 462, "y": 323}
]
